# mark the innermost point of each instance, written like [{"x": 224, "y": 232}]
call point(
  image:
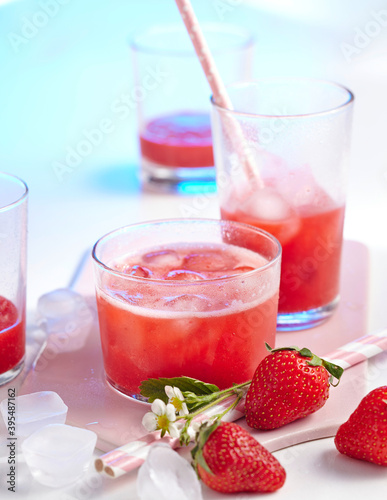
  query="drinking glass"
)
[
  {"x": 185, "y": 297},
  {"x": 13, "y": 247},
  {"x": 282, "y": 157},
  {"x": 171, "y": 95}
]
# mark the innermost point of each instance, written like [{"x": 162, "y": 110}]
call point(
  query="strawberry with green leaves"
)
[
  {"x": 229, "y": 460},
  {"x": 289, "y": 383},
  {"x": 364, "y": 435}
]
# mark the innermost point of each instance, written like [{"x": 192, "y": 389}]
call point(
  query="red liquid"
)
[
  {"x": 178, "y": 140},
  {"x": 311, "y": 252},
  {"x": 12, "y": 336},
  {"x": 213, "y": 341}
]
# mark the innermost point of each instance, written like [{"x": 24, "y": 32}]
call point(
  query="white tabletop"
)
[{"x": 61, "y": 78}]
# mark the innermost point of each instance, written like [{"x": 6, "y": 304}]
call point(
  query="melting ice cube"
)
[
  {"x": 208, "y": 260},
  {"x": 164, "y": 257},
  {"x": 240, "y": 270},
  {"x": 166, "y": 475},
  {"x": 267, "y": 205},
  {"x": 58, "y": 454},
  {"x": 269, "y": 208},
  {"x": 66, "y": 317},
  {"x": 34, "y": 411},
  {"x": 138, "y": 271},
  {"x": 188, "y": 302},
  {"x": 184, "y": 275}
]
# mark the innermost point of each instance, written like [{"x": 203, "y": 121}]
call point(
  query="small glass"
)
[
  {"x": 185, "y": 297},
  {"x": 13, "y": 248},
  {"x": 171, "y": 95},
  {"x": 282, "y": 157}
]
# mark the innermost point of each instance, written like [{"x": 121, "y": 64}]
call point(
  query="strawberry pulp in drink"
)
[
  {"x": 12, "y": 336},
  {"x": 178, "y": 140},
  {"x": 191, "y": 310}
]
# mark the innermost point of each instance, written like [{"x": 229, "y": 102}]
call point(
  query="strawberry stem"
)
[{"x": 218, "y": 397}]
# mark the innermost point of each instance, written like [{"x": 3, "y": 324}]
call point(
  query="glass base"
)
[
  {"x": 305, "y": 319},
  {"x": 125, "y": 393},
  {"x": 12, "y": 373},
  {"x": 181, "y": 180}
]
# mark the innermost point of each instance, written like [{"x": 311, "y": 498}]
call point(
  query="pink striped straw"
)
[
  {"x": 214, "y": 79},
  {"x": 359, "y": 350},
  {"x": 130, "y": 456}
]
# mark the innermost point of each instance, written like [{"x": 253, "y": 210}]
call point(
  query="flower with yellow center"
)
[
  {"x": 176, "y": 398},
  {"x": 162, "y": 417}
]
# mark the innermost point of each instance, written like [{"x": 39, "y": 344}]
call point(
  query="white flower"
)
[
  {"x": 176, "y": 398},
  {"x": 162, "y": 417}
]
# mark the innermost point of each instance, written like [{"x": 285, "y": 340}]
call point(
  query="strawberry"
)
[
  {"x": 364, "y": 434},
  {"x": 289, "y": 383},
  {"x": 228, "y": 459}
]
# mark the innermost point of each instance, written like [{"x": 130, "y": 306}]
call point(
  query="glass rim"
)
[
  {"x": 255, "y": 82},
  {"x": 17, "y": 180},
  {"x": 219, "y": 222},
  {"x": 247, "y": 39}
]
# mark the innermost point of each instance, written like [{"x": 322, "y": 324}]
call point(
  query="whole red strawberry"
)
[
  {"x": 228, "y": 459},
  {"x": 289, "y": 383},
  {"x": 364, "y": 435}
]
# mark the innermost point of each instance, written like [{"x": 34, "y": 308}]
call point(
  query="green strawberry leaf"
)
[
  {"x": 196, "y": 401},
  {"x": 154, "y": 388},
  {"x": 335, "y": 371},
  {"x": 197, "y": 451}
]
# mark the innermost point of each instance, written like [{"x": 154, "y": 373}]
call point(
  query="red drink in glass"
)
[
  {"x": 13, "y": 252},
  {"x": 311, "y": 252},
  {"x": 171, "y": 95},
  {"x": 281, "y": 158},
  {"x": 203, "y": 310},
  {"x": 12, "y": 336},
  {"x": 180, "y": 140}
]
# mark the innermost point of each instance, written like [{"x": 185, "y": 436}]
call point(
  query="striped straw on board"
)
[
  {"x": 130, "y": 456},
  {"x": 359, "y": 350}
]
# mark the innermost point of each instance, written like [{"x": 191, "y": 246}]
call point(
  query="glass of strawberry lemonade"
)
[
  {"x": 185, "y": 297},
  {"x": 13, "y": 247},
  {"x": 171, "y": 96},
  {"x": 281, "y": 157}
]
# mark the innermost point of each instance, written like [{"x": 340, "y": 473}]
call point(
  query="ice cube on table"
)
[
  {"x": 58, "y": 454},
  {"x": 34, "y": 411},
  {"x": 66, "y": 317},
  {"x": 165, "y": 475}
]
